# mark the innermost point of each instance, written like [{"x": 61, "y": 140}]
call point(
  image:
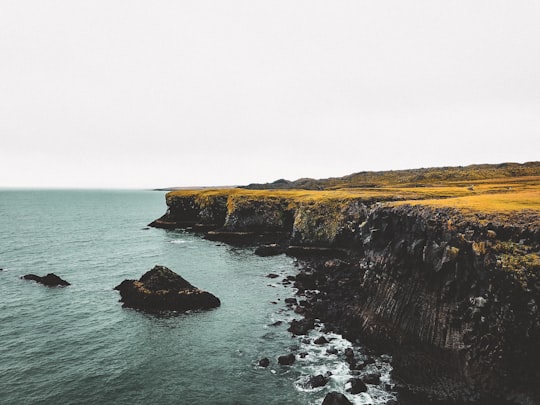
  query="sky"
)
[{"x": 144, "y": 94}]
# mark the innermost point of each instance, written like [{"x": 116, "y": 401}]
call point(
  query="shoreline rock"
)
[
  {"x": 50, "y": 280},
  {"x": 161, "y": 289}
]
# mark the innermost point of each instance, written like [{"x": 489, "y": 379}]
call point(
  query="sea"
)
[{"x": 77, "y": 345}]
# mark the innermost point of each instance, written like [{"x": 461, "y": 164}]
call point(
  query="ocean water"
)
[{"x": 77, "y": 345}]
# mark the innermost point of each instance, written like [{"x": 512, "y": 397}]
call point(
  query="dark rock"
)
[
  {"x": 303, "y": 355},
  {"x": 264, "y": 362},
  {"x": 332, "y": 350},
  {"x": 357, "y": 386},
  {"x": 349, "y": 354},
  {"x": 271, "y": 249},
  {"x": 286, "y": 360},
  {"x": 272, "y": 275},
  {"x": 161, "y": 289},
  {"x": 318, "y": 381},
  {"x": 302, "y": 326},
  {"x": 291, "y": 301},
  {"x": 50, "y": 280},
  {"x": 321, "y": 340},
  {"x": 276, "y": 323},
  {"x": 372, "y": 378},
  {"x": 336, "y": 398},
  {"x": 391, "y": 402}
]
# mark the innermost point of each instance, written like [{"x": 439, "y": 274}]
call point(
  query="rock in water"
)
[
  {"x": 336, "y": 398},
  {"x": 50, "y": 280},
  {"x": 161, "y": 289}
]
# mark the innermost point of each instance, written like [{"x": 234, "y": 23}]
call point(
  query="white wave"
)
[
  {"x": 178, "y": 241},
  {"x": 319, "y": 361}
]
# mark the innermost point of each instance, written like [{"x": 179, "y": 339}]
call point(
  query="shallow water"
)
[{"x": 78, "y": 345}]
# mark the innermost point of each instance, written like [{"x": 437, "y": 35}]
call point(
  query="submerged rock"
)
[
  {"x": 161, "y": 289},
  {"x": 50, "y": 280}
]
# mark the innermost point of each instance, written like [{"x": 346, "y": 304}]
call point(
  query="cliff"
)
[{"x": 445, "y": 277}]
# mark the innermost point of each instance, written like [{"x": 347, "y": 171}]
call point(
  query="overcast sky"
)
[{"x": 179, "y": 93}]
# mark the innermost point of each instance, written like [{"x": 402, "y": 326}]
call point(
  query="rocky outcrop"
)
[
  {"x": 161, "y": 289},
  {"x": 50, "y": 280}
]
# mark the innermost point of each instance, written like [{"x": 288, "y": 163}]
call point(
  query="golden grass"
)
[
  {"x": 487, "y": 202},
  {"x": 484, "y": 195}
]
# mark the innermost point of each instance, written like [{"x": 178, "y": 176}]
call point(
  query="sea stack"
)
[{"x": 161, "y": 289}]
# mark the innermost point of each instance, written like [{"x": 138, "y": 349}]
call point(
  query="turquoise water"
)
[{"x": 77, "y": 345}]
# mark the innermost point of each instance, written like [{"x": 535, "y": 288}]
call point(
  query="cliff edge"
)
[{"x": 444, "y": 276}]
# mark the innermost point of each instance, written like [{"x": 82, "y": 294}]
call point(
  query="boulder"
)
[
  {"x": 319, "y": 380},
  {"x": 161, "y": 289},
  {"x": 321, "y": 340},
  {"x": 50, "y": 280},
  {"x": 287, "y": 359},
  {"x": 373, "y": 378},
  {"x": 271, "y": 249},
  {"x": 301, "y": 327},
  {"x": 336, "y": 398},
  {"x": 264, "y": 362},
  {"x": 357, "y": 386}
]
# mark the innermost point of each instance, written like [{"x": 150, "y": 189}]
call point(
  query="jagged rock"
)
[
  {"x": 336, "y": 398},
  {"x": 161, "y": 289},
  {"x": 318, "y": 381},
  {"x": 287, "y": 359},
  {"x": 372, "y": 378},
  {"x": 302, "y": 326},
  {"x": 264, "y": 362},
  {"x": 321, "y": 340},
  {"x": 50, "y": 280},
  {"x": 271, "y": 249},
  {"x": 357, "y": 386}
]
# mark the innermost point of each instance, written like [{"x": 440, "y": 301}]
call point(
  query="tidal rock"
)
[
  {"x": 321, "y": 340},
  {"x": 264, "y": 362},
  {"x": 272, "y": 275},
  {"x": 291, "y": 301},
  {"x": 318, "y": 381},
  {"x": 302, "y": 326},
  {"x": 286, "y": 360},
  {"x": 373, "y": 378},
  {"x": 50, "y": 280},
  {"x": 161, "y": 289},
  {"x": 271, "y": 249},
  {"x": 357, "y": 386},
  {"x": 336, "y": 398}
]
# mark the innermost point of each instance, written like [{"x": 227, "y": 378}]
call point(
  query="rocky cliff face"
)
[
  {"x": 454, "y": 297},
  {"x": 455, "y": 300}
]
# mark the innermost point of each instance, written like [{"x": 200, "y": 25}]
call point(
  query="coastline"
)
[{"x": 451, "y": 293}]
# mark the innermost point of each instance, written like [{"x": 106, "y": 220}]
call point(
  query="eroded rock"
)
[
  {"x": 50, "y": 280},
  {"x": 161, "y": 289}
]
